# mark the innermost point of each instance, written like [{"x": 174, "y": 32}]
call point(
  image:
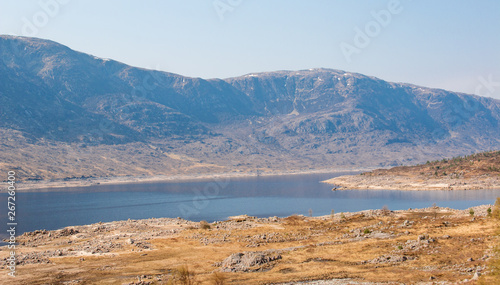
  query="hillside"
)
[
  {"x": 477, "y": 171},
  {"x": 67, "y": 115}
]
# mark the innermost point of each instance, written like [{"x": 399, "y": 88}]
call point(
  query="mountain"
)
[{"x": 67, "y": 114}]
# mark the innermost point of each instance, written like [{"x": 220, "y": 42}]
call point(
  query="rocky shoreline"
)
[
  {"x": 400, "y": 182},
  {"x": 90, "y": 181},
  {"x": 469, "y": 172},
  {"x": 249, "y": 250}
]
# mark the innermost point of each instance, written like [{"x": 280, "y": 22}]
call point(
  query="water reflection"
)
[{"x": 216, "y": 200}]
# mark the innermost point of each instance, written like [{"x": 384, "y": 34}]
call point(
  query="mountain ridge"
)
[{"x": 284, "y": 120}]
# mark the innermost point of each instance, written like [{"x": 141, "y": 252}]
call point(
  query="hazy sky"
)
[{"x": 449, "y": 44}]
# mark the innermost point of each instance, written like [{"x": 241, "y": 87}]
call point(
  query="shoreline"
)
[
  {"x": 454, "y": 243},
  {"x": 406, "y": 183},
  {"x": 480, "y": 210},
  {"x": 118, "y": 180},
  {"x": 474, "y": 172}
]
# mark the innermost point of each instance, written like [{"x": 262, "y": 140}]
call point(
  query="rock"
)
[
  {"x": 391, "y": 259},
  {"x": 248, "y": 261},
  {"x": 380, "y": 235},
  {"x": 445, "y": 237},
  {"x": 470, "y": 259},
  {"x": 476, "y": 276},
  {"x": 68, "y": 232}
]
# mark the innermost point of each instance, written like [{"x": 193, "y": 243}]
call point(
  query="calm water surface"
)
[{"x": 216, "y": 200}]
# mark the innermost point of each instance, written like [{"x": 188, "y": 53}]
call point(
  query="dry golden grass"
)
[
  {"x": 494, "y": 265},
  {"x": 323, "y": 251}
]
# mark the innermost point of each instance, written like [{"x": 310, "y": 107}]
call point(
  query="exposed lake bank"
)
[
  {"x": 470, "y": 172},
  {"x": 417, "y": 183},
  {"x": 91, "y": 181}
]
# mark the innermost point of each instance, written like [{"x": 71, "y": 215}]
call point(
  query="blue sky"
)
[{"x": 453, "y": 45}]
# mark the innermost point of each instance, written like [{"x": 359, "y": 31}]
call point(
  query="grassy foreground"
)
[{"x": 412, "y": 246}]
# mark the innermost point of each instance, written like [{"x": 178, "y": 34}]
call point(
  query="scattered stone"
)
[
  {"x": 248, "y": 261},
  {"x": 423, "y": 237},
  {"x": 106, "y": 237},
  {"x": 476, "y": 276},
  {"x": 407, "y": 223},
  {"x": 380, "y": 235},
  {"x": 68, "y": 232},
  {"x": 391, "y": 259}
]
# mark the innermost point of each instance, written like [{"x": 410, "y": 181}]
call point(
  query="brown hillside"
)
[
  {"x": 477, "y": 171},
  {"x": 485, "y": 163}
]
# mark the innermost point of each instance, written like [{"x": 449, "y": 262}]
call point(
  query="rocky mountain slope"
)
[{"x": 67, "y": 114}]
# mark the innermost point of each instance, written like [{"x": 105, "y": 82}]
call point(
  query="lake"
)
[{"x": 212, "y": 200}]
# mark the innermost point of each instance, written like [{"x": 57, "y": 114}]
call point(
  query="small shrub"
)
[
  {"x": 489, "y": 212},
  {"x": 342, "y": 216},
  {"x": 217, "y": 278},
  {"x": 293, "y": 220},
  {"x": 434, "y": 210},
  {"x": 204, "y": 225},
  {"x": 184, "y": 276},
  {"x": 400, "y": 247},
  {"x": 385, "y": 210},
  {"x": 494, "y": 263},
  {"x": 366, "y": 231},
  {"x": 471, "y": 212},
  {"x": 496, "y": 209}
]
